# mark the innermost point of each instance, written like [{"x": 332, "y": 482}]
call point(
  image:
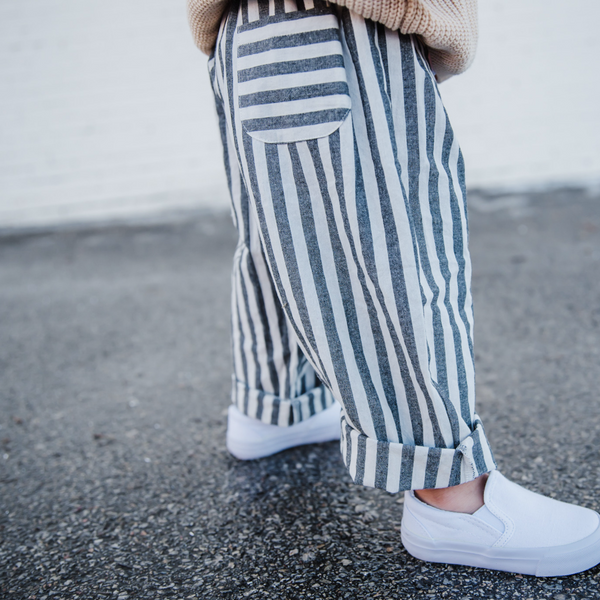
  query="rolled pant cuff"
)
[
  {"x": 272, "y": 409},
  {"x": 397, "y": 467}
]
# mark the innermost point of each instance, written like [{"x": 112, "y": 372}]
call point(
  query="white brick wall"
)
[{"x": 106, "y": 111}]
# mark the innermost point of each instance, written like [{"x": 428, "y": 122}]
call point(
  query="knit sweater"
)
[{"x": 447, "y": 27}]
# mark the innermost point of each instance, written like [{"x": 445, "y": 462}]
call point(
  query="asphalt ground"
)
[{"x": 115, "y": 375}]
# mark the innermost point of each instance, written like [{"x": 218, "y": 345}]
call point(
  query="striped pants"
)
[{"x": 351, "y": 277}]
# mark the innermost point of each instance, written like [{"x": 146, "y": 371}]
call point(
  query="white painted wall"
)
[
  {"x": 527, "y": 112},
  {"x": 106, "y": 111}
]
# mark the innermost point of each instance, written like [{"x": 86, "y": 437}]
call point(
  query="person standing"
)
[{"x": 352, "y": 274}]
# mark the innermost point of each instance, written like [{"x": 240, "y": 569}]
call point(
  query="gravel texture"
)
[{"x": 114, "y": 369}]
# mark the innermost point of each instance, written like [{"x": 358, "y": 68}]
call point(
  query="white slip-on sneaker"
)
[
  {"x": 249, "y": 438},
  {"x": 516, "y": 530}
]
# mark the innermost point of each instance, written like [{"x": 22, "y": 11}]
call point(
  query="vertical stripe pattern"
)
[{"x": 352, "y": 273}]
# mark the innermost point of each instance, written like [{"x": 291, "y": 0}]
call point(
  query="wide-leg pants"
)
[{"x": 351, "y": 277}]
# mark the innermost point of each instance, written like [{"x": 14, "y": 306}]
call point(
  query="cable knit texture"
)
[{"x": 447, "y": 27}]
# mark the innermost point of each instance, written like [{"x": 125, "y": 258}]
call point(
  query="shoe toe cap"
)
[{"x": 533, "y": 520}]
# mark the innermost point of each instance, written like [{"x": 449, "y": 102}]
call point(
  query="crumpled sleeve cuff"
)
[{"x": 205, "y": 19}]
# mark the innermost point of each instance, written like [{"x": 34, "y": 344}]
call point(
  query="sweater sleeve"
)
[
  {"x": 205, "y": 18},
  {"x": 451, "y": 35},
  {"x": 447, "y": 27}
]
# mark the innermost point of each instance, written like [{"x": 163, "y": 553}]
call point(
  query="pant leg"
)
[
  {"x": 272, "y": 379},
  {"x": 356, "y": 185}
]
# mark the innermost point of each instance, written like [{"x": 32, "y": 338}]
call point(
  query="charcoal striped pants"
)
[{"x": 351, "y": 277}]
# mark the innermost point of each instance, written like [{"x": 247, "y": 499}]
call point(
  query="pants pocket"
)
[{"x": 291, "y": 80}]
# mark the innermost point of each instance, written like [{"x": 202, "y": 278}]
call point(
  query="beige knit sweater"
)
[{"x": 447, "y": 27}]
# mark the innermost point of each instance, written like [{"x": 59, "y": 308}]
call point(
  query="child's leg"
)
[
  {"x": 356, "y": 183},
  {"x": 272, "y": 380}
]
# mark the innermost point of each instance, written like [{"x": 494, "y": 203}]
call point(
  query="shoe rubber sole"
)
[
  {"x": 248, "y": 439},
  {"x": 541, "y": 562}
]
